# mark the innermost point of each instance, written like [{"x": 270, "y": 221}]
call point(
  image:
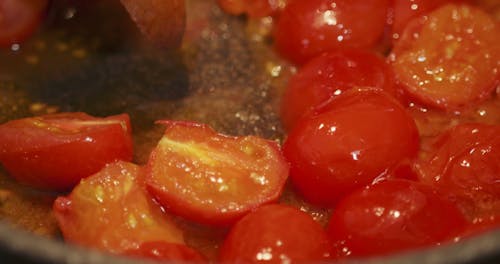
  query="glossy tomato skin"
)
[
  {"x": 330, "y": 74},
  {"x": 306, "y": 29},
  {"x": 112, "y": 211},
  {"x": 276, "y": 234},
  {"x": 212, "y": 178},
  {"x": 349, "y": 142},
  {"x": 393, "y": 216},
  {"x": 53, "y": 152},
  {"x": 465, "y": 162},
  {"x": 19, "y": 19},
  {"x": 164, "y": 251},
  {"x": 450, "y": 59}
]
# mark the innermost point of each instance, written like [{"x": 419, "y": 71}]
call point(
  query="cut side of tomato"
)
[
  {"x": 451, "y": 59},
  {"x": 347, "y": 143},
  {"x": 164, "y": 251},
  {"x": 19, "y": 19},
  {"x": 53, "y": 152},
  {"x": 330, "y": 74},
  {"x": 276, "y": 234},
  {"x": 211, "y": 178},
  {"x": 112, "y": 211},
  {"x": 393, "y": 216},
  {"x": 465, "y": 162}
]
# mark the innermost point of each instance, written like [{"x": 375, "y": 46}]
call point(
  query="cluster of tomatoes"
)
[{"x": 351, "y": 145}]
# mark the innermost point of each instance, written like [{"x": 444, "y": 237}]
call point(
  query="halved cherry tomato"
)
[
  {"x": 212, "y": 178},
  {"x": 306, "y": 29},
  {"x": 19, "y": 19},
  {"x": 276, "y": 234},
  {"x": 465, "y": 161},
  {"x": 451, "y": 59},
  {"x": 54, "y": 152},
  {"x": 347, "y": 143},
  {"x": 328, "y": 75},
  {"x": 164, "y": 251},
  {"x": 393, "y": 216},
  {"x": 112, "y": 211}
]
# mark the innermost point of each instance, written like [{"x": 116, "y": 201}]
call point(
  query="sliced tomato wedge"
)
[
  {"x": 212, "y": 178},
  {"x": 164, "y": 251},
  {"x": 53, "y": 152},
  {"x": 19, "y": 19},
  {"x": 451, "y": 59},
  {"x": 112, "y": 211}
]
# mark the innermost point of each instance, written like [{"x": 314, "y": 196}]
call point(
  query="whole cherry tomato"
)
[
  {"x": 306, "y": 29},
  {"x": 465, "y": 162},
  {"x": 212, "y": 178},
  {"x": 393, "y": 216},
  {"x": 19, "y": 19},
  {"x": 347, "y": 143},
  {"x": 276, "y": 234},
  {"x": 328, "y": 75},
  {"x": 450, "y": 59},
  {"x": 54, "y": 152},
  {"x": 112, "y": 211}
]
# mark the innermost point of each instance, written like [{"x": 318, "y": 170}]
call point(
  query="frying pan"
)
[{"x": 89, "y": 57}]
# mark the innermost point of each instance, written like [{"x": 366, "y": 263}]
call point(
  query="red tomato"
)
[
  {"x": 328, "y": 75},
  {"x": 112, "y": 211},
  {"x": 465, "y": 161},
  {"x": 393, "y": 216},
  {"x": 276, "y": 234},
  {"x": 19, "y": 19},
  {"x": 164, "y": 251},
  {"x": 54, "y": 152},
  {"x": 347, "y": 143},
  {"x": 405, "y": 10},
  {"x": 308, "y": 28},
  {"x": 212, "y": 178},
  {"x": 450, "y": 59}
]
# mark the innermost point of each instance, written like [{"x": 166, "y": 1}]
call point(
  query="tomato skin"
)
[
  {"x": 330, "y": 74},
  {"x": 393, "y": 216},
  {"x": 276, "y": 234},
  {"x": 211, "y": 178},
  {"x": 306, "y": 29},
  {"x": 449, "y": 59},
  {"x": 19, "y": 19},
  {"x": 465, "y": 162},
  {"x": 164, "y": 251},
  {"x": 53, "y": 152},
  {"x": 347, "y": 143},
  {"x": 112, "y": 211}
]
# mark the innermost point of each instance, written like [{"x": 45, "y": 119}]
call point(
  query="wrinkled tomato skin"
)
[
  {"x": 348, "y": 143},
  {"x": 164, "y": 251},
  {"x": 211, "y": 178},
  {"x": 53, "y": 152},
  {"x": 306, "y": 29},
  {"x": 465, "y": 162},
  {"x": 393, "y": 216},
  {"x": 330, "y": 74},
  {"x": 112, "y": 211},
  {"x": 449, "y": 59},
  {"x": 19, "y": 19},
  {"x": 276, "y": 234}
]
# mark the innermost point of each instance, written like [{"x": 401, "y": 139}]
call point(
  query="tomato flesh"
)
[
  {"x": 53, "y": 152},
  {"x": 465, "y": 161},
  {"x": 393, "y": 216},
  {"x": 212, "y": 178},
  {"x": 451, "y": 59},
  {"x": 330, "y": 74},
  {"x": 164, "y": 251},
  {"x": 306, "y": 29},
  {"x": 347, "y": 143},
  {"x": 276, "y": 234},
  {"x": 112, "y": 211},
  {"x": 19, "y": 19}
]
